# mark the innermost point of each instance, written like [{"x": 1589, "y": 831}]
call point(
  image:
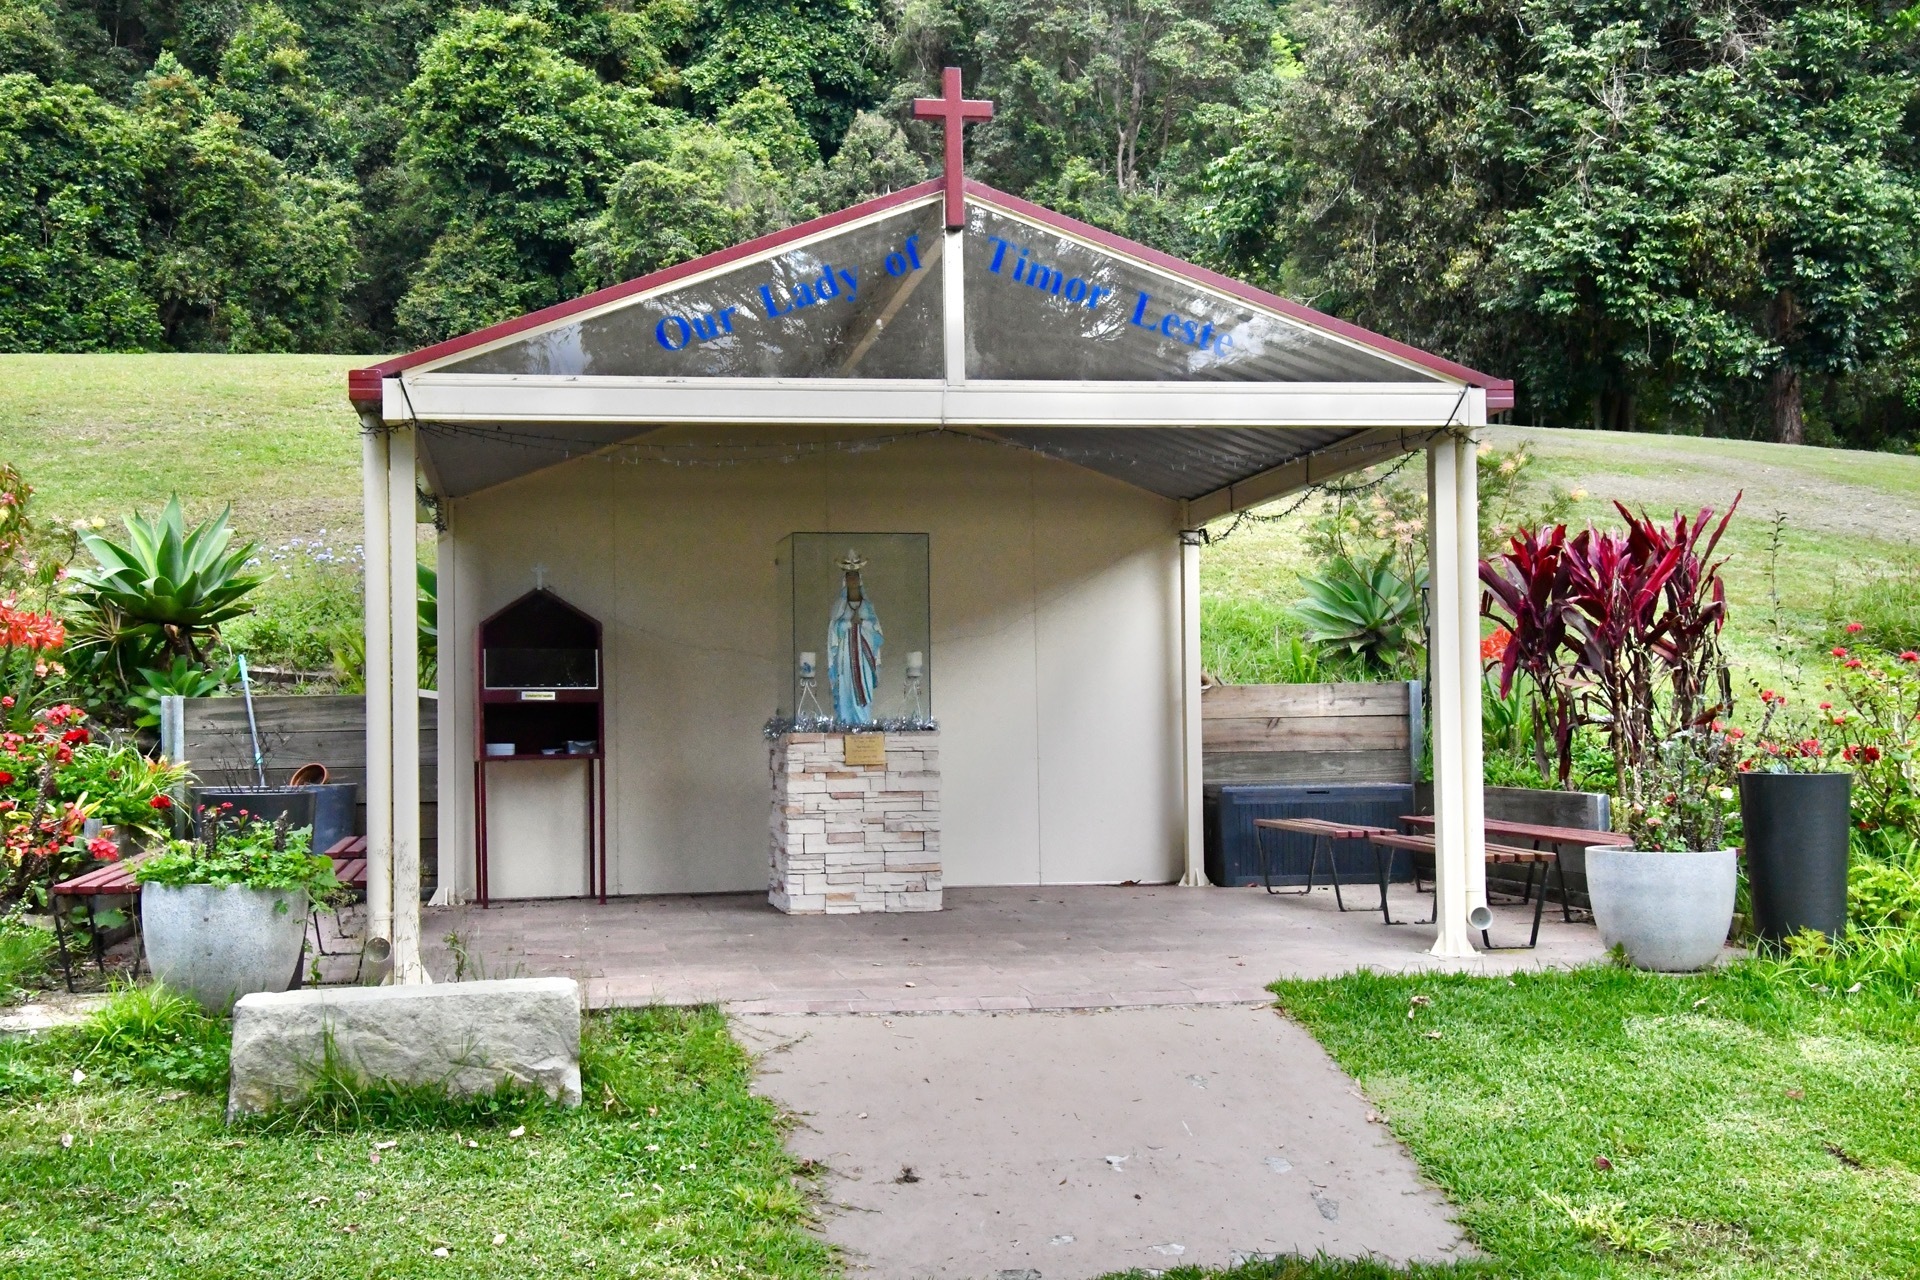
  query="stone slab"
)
[{"x": 469, "y": 1037}]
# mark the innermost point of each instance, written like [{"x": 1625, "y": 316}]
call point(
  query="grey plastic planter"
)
[
  {"x": 217, "y": 943},
  {"x": 1670, "y": 911}
]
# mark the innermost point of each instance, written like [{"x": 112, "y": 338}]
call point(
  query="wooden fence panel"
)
[
  {"x": 1310, "y": 732},
  {"x": 210, "y": 736}
]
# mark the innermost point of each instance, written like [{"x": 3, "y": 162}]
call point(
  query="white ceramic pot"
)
[
  {"x": 217, "y": 943},
  {"x": 1670, "y": 911}
]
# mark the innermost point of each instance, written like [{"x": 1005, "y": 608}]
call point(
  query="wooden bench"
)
[
  {"x": 116, "y": 879},
  {"x": 1323, "y": 832},
  {"x": 1497, "y": 854},
  {"x": 1535, "y": 833}
]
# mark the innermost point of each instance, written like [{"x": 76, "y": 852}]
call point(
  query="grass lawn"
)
[
  {"x": 273, "y": 435},
  {"x": 1608, "y": 1123},
  {"x": 672, "y": 1169}
]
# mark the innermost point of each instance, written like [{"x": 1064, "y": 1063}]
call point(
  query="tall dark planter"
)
[{"x": 1796, "y": 826}]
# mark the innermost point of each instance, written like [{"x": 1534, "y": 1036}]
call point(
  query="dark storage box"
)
[
  {"x": 327, "y": 808},
  {"x": 1234, "y": 859}
]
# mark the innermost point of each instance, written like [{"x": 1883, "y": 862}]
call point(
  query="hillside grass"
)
[{"x": 275, "y": 437}]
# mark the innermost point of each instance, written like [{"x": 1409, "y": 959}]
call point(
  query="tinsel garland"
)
[{"x": 779, "y": 726}]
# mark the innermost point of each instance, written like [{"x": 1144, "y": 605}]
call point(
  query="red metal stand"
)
[{"x": 541, "y": 720}]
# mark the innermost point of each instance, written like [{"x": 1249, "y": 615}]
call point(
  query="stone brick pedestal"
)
[{"x": 850, "y": 838}]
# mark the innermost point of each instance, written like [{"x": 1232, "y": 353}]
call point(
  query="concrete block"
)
[{"x": 467, "y": 1037}]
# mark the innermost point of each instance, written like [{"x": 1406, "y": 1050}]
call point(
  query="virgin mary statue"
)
[{"x": 853, "y": 647}]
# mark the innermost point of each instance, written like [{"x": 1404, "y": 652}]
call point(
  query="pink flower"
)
[
  {"x": 1853, "y": 664},
  {"x": 1855, "y": 628},
  {"x": 1838, "y": 652},
  {"x": 104, "y": 849}
]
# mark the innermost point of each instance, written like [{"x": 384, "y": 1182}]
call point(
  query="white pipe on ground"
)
[{"x": 377, "y": 553}]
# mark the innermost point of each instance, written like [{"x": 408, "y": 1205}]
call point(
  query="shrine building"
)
[{"x": 862, "y": 559}]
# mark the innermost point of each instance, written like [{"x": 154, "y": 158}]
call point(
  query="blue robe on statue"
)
[{"x": 853, "y": 659}]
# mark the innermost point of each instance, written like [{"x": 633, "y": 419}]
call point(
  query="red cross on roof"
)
[{"x": 956, "y": 111}]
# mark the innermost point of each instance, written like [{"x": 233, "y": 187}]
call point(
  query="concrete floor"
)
[
  {"x": 992, "y": 949},
  {"x": 1059, "y": 1146}
]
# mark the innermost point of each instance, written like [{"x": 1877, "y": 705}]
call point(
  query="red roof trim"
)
[
  {"x": 363, "y": 385},
  {"x": 1499, "y": 390}
]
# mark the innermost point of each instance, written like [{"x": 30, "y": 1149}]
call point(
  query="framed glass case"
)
[{"x": 856, "y": 629}]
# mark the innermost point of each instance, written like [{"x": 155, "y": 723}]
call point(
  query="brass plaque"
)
[{"x": 867, "y": 748}]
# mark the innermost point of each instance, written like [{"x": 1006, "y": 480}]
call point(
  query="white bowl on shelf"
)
[{"x": 497, "y": 749}]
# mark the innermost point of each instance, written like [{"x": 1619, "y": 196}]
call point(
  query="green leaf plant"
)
[
  {"x": 164, "y": 591},
  {"x": 1363, "y": 608}
]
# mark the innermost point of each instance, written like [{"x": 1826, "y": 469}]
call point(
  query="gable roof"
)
[{"x": 365, "y": 384}]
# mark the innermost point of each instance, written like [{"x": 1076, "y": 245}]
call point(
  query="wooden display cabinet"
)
[{"x": 541, "y": 695}]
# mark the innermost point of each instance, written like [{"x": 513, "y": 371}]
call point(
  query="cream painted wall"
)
[{"x": 1054, "y": 610}]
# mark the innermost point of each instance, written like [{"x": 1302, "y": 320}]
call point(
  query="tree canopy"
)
[{"x": 1654, "y": 214}]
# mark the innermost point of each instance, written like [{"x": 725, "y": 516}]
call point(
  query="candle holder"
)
[
  {"x": 808, "y": 706},
  {"x": 916, "y": 672}
]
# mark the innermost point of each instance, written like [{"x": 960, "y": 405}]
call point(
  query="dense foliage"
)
[{"x": 1691, "y": 217}]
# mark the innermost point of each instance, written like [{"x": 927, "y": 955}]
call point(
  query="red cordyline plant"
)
[
  {"x": 1529, "y": 589},
  {"x": 1615, "y": 628}
]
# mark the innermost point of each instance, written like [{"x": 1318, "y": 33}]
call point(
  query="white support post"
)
[
  {"x": 1451, "y": 851},
  {"x": 403, "y": 614},
  {"x": 1191, "y": 758},
  {"x": 1472, "y": 767},
  {"x": 378, "y": 555}
]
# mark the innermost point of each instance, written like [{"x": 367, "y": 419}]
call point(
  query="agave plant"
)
[
  {"x": 164, "y": 591},
  {"x": 1362, "y": 607}
]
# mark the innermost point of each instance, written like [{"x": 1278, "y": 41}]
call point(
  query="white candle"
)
[
  {"x": 916, "y": 663},
  {"x": 807, "y": 664}
]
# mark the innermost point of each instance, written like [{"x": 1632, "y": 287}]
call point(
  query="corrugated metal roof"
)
[{"x": 1178, "y": 462}]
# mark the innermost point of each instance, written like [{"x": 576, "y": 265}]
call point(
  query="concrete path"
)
[
  {"x": 1062, "y": 1146},
  {"x": 992, "y": 949}
]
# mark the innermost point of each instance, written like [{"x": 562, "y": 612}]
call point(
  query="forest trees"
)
[
  {"x": 1653, "y": 213},
  {"x": 1650, "y": 211}
]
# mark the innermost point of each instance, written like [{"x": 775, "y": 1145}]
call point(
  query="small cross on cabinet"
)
[{"x": 956, "y": 112}]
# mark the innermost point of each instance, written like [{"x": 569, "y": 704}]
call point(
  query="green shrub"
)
[
  {"x": 150, "y": 1035},
  {"x": 26, "y": 949},
  {"x": 258, "y": 855},
  {"x": 1364, "y": 610},
  {"x": 1250, "y": 642},
  {"x": 312, "y": 592},
  {"x": 1885, "y": 601}
]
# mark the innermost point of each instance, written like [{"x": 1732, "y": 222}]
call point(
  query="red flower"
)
[
  {"x": 1494, "y": 647},
  {"x": 1838, "y": 652},
  {"x": 7, "y": 701},
  {"x": 1826, "y": 706},
  {"x": 1736, "y": 733},
  {"x": 76, "y": 735},
  {"x": 1854, "y": 628},
  {"x": 1852, "y": 664},
  {"x": 1908, "y": 655},
  {"x": 1870, "y": 754},
  {"x": 1810, "y": 747},
  {"x": 1769, "y": 696},
  {"x": 5, "y": 777},
  {"x": 63, "y": 756},
  {"x": 161, "y": 801},
  {"x": 104, "y": 849}
]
